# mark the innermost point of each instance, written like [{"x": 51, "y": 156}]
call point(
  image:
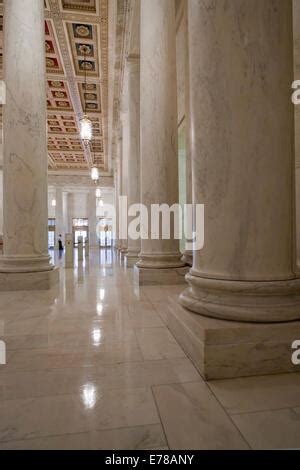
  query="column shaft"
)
[
  {"x": 134, "y": 189},
  {"x": 92, "y": 216},
  {"x": 188, "y": 254},
  {"x": 159, "y": 138},
  {"x": 116, "y": 198},
  {"x": 242, "y": 128},
  {"x": 25, "y": 140},
  {"x": 59, "y": 222},
  {"x": 124, "y": 183}
]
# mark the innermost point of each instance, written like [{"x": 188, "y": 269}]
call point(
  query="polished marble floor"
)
[{"x": 92, "y": 365}]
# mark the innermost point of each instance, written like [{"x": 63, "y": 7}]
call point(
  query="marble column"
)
[
  {"x": 116, "y": 198},
  {"x": 124, "y": 183},
  {"x": 65, "y": 212},
  {"x": 25, "y": 263},
  {"x": 159, "y": 139},
  {"x": 92, "y": 216},
  {"x": 1, "y": 210},
  {"x": 242, "y": 127},
  {"x": 134, "y": 189},
  {"x": 119, "y": 186},
  {"x": 70, "y": 211},
  {"x": 59, "y": 220},
  {"x": 188, "y": 254}
]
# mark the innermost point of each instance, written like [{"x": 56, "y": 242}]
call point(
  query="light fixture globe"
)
[
  {"x": 86, "y": 130},
  {"x": 98, "y": 192},
  {"x": 95, "y": 174}
]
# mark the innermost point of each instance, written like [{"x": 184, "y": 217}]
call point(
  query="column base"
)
[
  {"x": 163, "y": 276},
  {"x": 244, "y": 301},
  {"x": 160, "y": 261},
  {"x": 187, "y": 258},
  {"x": 38, "y": 280},
  {"x": 225, "y": 349},
  {"x": 131, "y": 260}
]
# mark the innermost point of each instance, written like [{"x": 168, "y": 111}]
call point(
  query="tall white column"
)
[
  {"x": 1, "y": 211},
  {"x": 71, "y": 211},
  {"x": 59, "y": 220},
  {"x": 159, "y": 139},
  {"x": 188, "y": 254},
  {"x": 125, "y": 181},
  {"x": 134, "y": 188},
  {"x": 116, "y": 198},
  {"x": 242, "y": 127},
  {"x": 92, "y": 216},
  {"x": 119, "y": 184},
  {"x": 25, "y": 149},
  {"x": 1, "y": 203},
  {"x": 65, "y": 212}
]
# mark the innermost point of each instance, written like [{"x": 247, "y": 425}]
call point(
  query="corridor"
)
[{"x": 92, "y": 365}]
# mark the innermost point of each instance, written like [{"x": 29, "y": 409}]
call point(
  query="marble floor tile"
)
[
  {"x": 250, "y": 394},
  {"x": 143, "y": 315},
  {"x": 155, "y": 293},
  {"x": 61, "y": 381},
  {"x": 66, "y": 414},
  {"x": 274, "y": 429},
  {"x": 162, "y": 309},
  {"x": 158, "y": 343},
  {"x": 135, "y": 438},
  {"x": 193, "y": 419},
  {"x": 20, "y": 326},
  {"x": 42, "y": 359}
]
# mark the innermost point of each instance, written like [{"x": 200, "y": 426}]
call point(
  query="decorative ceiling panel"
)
[
  {"x": 76, "y": 45},
  {"x": 87, "y": 6},
  {"x": 83, "y": 39}
]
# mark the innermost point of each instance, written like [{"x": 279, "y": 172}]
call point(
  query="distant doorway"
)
[
  {"x": 80, "y": 229},
  {"x": 105, "y": 232}
]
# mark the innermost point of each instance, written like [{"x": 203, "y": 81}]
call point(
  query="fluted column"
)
[
  {"x": 242, "y": 127},
  {"x": 159, "y": 139},
  {"x": 25, "y": 147},
  {"x": 134, "y": 188}
]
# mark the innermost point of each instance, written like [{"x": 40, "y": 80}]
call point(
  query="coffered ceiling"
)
[{"x": 76, "y": 43}]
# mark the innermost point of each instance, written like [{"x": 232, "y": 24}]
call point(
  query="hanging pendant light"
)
[
  {"x": 98, "y": 193},
  {"x": 95, "y": 174},
  {"x": 86, "y": 130},
  {"x": 86, "y": 126}
]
